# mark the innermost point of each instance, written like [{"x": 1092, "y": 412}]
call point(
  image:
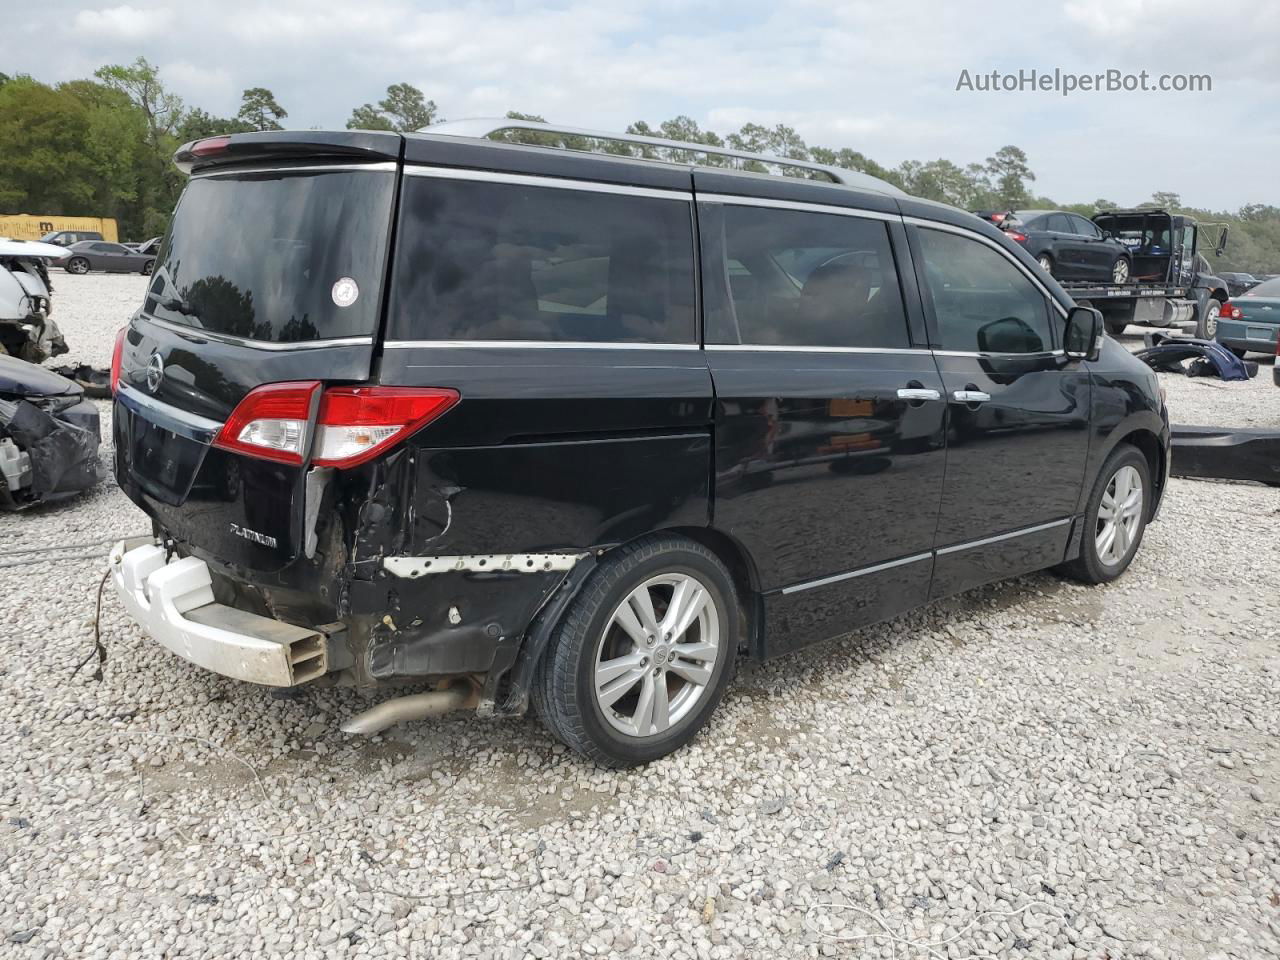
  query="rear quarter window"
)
[{"x": 482, "y": 260}]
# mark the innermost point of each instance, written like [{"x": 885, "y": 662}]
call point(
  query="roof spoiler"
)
[
  {"x": 481, "y": 128},
  {"x": 358, "y": 146}
]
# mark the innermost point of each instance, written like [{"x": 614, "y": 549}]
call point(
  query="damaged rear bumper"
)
[{"x": 172, "y": 599}]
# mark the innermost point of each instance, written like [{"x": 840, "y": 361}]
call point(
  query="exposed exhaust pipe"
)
[{"x": 417, "y": 706}]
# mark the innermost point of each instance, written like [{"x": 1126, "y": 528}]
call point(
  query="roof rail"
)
[{"x": 485, "y": 127}]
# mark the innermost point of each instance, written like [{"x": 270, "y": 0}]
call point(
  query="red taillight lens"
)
[
  {"x": 211, "y": 146},
  {"x": 117, "y": 355},
  {"x": 272, "y": 422},
  {"x": 1230, "y": 311},
  {"x": 358, "y": 423},
  {"x": 1015, "y": 236}
]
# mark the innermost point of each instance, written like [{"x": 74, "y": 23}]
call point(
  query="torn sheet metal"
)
[
  {"x": 49, "y": 436},
  {"x": 412, "y": 567},
  {"x": 27, "y": 329},
  {"x": 1226, "y": 453},
  {"x": 1208, "y": 359}
]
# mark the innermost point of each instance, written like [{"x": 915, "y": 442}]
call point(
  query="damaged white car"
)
[{"x": 27, "y": 330}]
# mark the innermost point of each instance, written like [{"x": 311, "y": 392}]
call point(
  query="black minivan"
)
[{"x": 534, "y": 426}]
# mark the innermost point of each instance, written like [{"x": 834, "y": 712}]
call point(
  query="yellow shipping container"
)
[{"x": 26, "y": 226}]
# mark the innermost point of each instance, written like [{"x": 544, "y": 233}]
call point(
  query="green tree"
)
[
  {"x": 1010, "y": 172},
  {"x": 1165, "y": 200},
  {"x": 197, "y": 124},
  {"x": 404, "y": 108},
  {"x": 407, "y": 108},
  {"x": 368, "y": 117},
  {"x": 260, "y": 111},
  {"x": 140, "y": 82}
]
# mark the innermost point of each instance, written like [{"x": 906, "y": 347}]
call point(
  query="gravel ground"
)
[{"x": 1033, "y": 769}]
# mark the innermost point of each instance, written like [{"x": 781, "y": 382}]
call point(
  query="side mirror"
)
[{"x": 1082, "y": 339}]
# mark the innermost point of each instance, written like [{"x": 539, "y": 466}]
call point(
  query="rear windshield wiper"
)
[{"x": 178, "y": 305}]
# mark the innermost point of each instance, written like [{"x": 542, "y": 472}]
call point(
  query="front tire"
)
[
  {"x": 1046, "y": 263},
  {"x": 1116, "y": 518},
  {"x": 1120, "y": 270},
  {"x": 78, "y": 266},
  {"x": 1207, "y": 321},
  {"x": 643, "y": 654},
  {"x": 147, "y": 268}
]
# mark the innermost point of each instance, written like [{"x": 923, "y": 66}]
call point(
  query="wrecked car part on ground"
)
[
  {"x": 94, "y": 381},
  {"x": 49, "y": 436},
  {"x": 1227, "y": 453},
  {"x": 540, "y": 446},
  {"x": 27, "y": 330},
  {"x": 1207, "y": 358}
]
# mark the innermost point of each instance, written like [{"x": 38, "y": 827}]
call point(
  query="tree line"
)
[{"x": 104, "y": 146}]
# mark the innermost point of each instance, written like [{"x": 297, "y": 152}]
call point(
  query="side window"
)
[
  {"x": 479, "y": 260},
  {"x": 1085, "y": 228},
  {"x": 103, "y": 248},
  {"x": 1058, "y": 222},
  {"x": 812, "y": 279},
  {"x": 982, "y": 301}
]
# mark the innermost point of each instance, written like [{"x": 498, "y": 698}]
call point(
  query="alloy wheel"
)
[
  {"x": 657, "y": 655},
  {"x": 1046, "y": 264},
  {"x": 1211, "y": 319},
  {"x": 1120, "y": 271},
  {"x": 1119, "y": 515}
]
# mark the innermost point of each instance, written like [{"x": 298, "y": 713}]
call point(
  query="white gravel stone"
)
[{"x": 1032, "y": 769}]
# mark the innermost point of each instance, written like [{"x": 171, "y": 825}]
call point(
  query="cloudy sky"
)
[{"x": 878, "y": 77}]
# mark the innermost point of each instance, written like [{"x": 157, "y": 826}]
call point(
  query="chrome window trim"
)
[
  {"x": 836, "y": 578},
  {"x": 916, "y": 558},
  {"x": 979, "y": 353},
  {"x": 803, "y": 206},
  {"x": 387, "y": 166},
  {"x": 174, "y": 419},
  {"x": 555, "y": 183},
  {"x": 974, "y": 235},
  {"x": 791, "y": 348},
  {"x": 956, "y": 548},
  {"x": 532, "y": 344},
  {"x": 200, "y": 333}
]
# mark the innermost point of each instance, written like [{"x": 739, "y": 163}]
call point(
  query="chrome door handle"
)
[
  {"x": 918, "y": 393},
  {"x": 971, "y": 396}
]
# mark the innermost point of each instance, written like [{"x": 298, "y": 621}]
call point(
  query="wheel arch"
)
[{"x": 1149, "y": 445}]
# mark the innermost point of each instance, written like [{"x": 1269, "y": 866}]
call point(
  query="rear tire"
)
[
  {"x": 148, "y": 267},
  {"x": 1120, "y": 270},
  {"x": 78, "y": 266},
  {"x": 1115, "y": 519},
  {"x": 602, "y": 684},
  {"x": 1115, "y": 327},
  {"x": 1207, "y": 319}
]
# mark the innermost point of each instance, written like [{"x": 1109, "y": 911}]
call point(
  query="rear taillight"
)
[
  {"x": 1230, "y": 311},
  {"x": 117, "y": 356},
  {"x": 1015, "y": 236},
  {"x": 358, "y": 423},
  {"x": 272, "y": 422}
]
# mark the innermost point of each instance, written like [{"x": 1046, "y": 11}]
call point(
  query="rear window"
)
[
  {"x": 282, "y": 256},
  {"x": 480, "y": 260}
]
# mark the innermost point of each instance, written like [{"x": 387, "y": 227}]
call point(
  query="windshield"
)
[
  {"x": 1267, "y": 288},
  {"x": 281, "y": 256}
]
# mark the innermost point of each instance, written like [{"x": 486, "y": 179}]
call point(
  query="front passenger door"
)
[{"x": 1017, "y": 411}]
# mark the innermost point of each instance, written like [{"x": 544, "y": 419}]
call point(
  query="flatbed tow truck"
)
[{"x": 1173, "y": 285}]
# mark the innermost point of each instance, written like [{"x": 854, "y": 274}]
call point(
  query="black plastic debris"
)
[
  {"x": 49, "y": 436},
  {"x": 1226, "y": 453}
]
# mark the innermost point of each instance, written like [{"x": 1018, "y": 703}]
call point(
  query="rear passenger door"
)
[
  {"x": 1096, "y": 254},
  {"x": 563, "y": 312},
  {"x": 1068, "y": 248},
  {"x": 829, "y": 423},
  {"x": 1018, "y": 410}
]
